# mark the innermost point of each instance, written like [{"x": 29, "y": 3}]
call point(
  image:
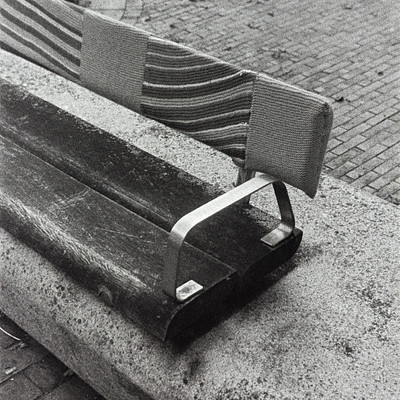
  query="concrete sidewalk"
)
[{"x": 351, "y": 51}]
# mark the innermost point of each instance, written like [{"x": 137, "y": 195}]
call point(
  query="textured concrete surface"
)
[
  {"x": 349, "y": 51},
  {"x": 327, "y": 325}
]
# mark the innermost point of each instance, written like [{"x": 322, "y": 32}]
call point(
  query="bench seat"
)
[{"x": 61, "y": 174}]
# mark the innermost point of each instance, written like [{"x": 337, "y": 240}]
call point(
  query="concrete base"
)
[{"x": 328, "y": 328}]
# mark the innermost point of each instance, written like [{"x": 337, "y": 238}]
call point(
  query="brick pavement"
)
[{"x": 347, "y": 50}]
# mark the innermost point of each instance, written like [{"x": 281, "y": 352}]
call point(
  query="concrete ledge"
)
[{"x": 328, "y": 328}]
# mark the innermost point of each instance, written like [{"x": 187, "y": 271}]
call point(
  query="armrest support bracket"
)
[{"x": 186, "y": 223}]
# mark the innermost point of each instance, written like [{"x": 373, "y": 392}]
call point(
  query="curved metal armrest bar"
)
[{"x": 190, "y": 220}]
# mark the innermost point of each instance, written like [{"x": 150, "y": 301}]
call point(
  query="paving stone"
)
[
  {"x": 337, "y": 131},
  {"x": 365, "y": 168},
  {"x": 373, "y": 139},
  {"x": 391, "y": 77},
  {"x": 344, "y": 109},
  {"x": 47, "y": 374},
  {"x": 343, "y": 169},
  {"x": 387, "y": 166},
  {"x": 74, "y": 389},
  {"x": 19, "y": 388},
  {"x": 337, "y": 161},
  {"x": 13, "y": 329},
  {"x": 340, "y": 120},
  {"x": 333, "y": 143},
  {"x": 389, "y": 91},
  {"x": 40, "y": 378},
  {"x": 364, "y": 116},
  {"x": 359, "y": 129},
  {"x": 386, "y": 179},
  {"x": 395, "y": 117},
  {"x": 5, "y": 341},
  {"x": 382, "y": 115},
  {"x": 397, "y": 194},
  {"x": 369, "y": 189},
  {"x": 384, "y": 106},
  {"x": 347, "y": 179},
  {"x": 391, "y": 152},
  {"x": 372, "y": 152},
  {"x": 363, "y": 104},
  {"x": 349, "y": 144},
  {"x": 18, "y": 358},
  {"x": 391, "y": 140},
  {"x": 328, "y": 158},
  {"x": 116, "y": 14},
  {"x": 364, "y": 179},
  {"x": 390, "y": 192}
]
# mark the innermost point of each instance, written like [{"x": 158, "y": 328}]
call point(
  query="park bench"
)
[{"x": 157, "y": 244}]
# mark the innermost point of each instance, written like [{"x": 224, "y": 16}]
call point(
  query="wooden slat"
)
[{"x": 115, "y": 253}]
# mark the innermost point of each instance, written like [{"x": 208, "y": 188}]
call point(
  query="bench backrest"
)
[{"x": 263, "y": 124}]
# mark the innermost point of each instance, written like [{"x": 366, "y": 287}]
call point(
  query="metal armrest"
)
[{"x": 190, "y": 220}]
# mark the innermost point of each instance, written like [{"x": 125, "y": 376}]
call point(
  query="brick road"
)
[{"x": 346, "y": 50}]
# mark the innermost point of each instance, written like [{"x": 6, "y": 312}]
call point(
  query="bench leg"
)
[{"x": 244, "y": 175}]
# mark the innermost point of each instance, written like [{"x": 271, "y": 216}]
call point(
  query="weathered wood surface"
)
[
  {"x": 140, "y": 182},
  {"x": 115, "y": 253}
]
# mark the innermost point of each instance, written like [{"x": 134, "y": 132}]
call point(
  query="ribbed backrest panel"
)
[
  {"x": 44, "y": 31},
  {"x": 206, "y": 98}
]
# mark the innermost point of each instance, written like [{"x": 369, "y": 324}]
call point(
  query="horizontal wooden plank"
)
[
  {"x": 109, "y": 249},
  {"x": 141, "y": 182}
]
